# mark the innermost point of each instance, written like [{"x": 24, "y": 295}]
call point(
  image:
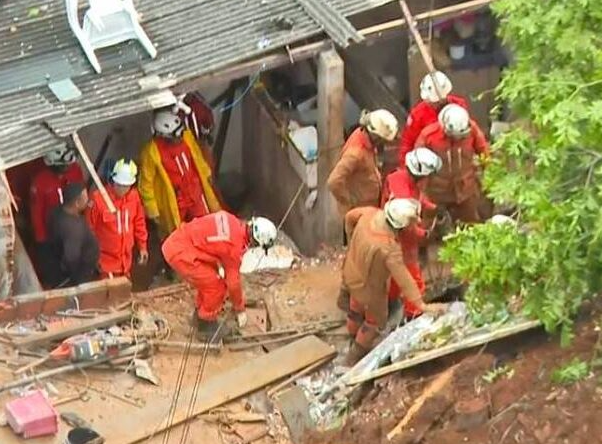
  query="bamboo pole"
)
[
  {"x": 470, "y": 342},
  {"x": 426, "y": 57},
  {"x": 90, "y": 167}
]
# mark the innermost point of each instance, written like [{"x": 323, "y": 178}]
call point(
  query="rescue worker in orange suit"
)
[
  {"x": 355, "y": 181},
  {"x": 406, "y": 183},
  {"x": 45, "y": 194},
  {"x": 458, "y": 140},
  {"x": 425, "y": 112},
  {"x": 119, "y": 232},
  {"x": 372, "y": 259},
  {"x": 207, "y": 253},
  {"x": 175, "y": 179}
]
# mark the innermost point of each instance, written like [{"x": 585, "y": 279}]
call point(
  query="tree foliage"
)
[{"x": 550, "y": 168}]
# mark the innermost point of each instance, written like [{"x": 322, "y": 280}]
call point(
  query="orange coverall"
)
[
  {"x": 401, "y": 185},
  {"x": 197, "y": 249},
  {"x": 420, "y": 116},
  {"x": 117, "y": 232}
]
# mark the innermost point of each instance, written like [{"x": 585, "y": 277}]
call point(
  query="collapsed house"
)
[{"x": 50, "y": 89}]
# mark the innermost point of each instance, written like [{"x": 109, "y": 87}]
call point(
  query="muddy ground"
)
[{"x": 524, "y": 408}]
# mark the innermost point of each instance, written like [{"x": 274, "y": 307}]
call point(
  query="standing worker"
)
[
  {"x": 407, "y": 183},
  {"x": 355, "y": 181},
  {"x": 207, "y": 253},
  {"x": 73, "y": 245},
  {"x": 373, "y": 258},
  {"x": 175, "y": 179},
  {"x": 118, "y": 232},
  {"x": 425, "y": 112},
  {"x": 45, "y": 194},
  {"x": 458, "y": 140}
]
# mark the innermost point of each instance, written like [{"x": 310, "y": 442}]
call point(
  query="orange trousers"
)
[
  {"x": 361, "y": 324},
  {"x": 410, "y": 310},
  {"x": 211, "y": 288}
]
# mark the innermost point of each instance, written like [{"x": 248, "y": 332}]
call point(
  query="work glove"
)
[
  {"x": 143, "y": 257},
  {"x": 242, "y": 319}
]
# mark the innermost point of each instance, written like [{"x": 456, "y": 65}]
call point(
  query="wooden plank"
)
[
  {"x": 223, "y": 388},
  {"x": 470, "y": 342},
  {"x": 295, "y": 411},
  {"x": 99, "y": 322}
]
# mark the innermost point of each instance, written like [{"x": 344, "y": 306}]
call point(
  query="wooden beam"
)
[
  {"x": 37, "y": 339},
  {"x": 331, "y": 125},
  {"x": 90, "y": 167},
  {"x": 223, "y": 387}
]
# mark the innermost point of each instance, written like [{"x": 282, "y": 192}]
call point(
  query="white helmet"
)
[
  {"x": 124, "y": 172},
  {"x": 60, "y": 157},
  {"x": 423, "y": 162},
  {"x": 167, "y": 123},
  {"x": 455, "y": 121},
  {"x": 380, "y": 123},
  {"x": 429, "y": 93},
  {"x": 401, "y": 212},
  {"x": 264, "y": 232}
]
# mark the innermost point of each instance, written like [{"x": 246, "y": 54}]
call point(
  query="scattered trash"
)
[
  {"x": 143, "y": 370},
  {"x": 32, "y": 415},
  {"x": 83, "y": 435}
]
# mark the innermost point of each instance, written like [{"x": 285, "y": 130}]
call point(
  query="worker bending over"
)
[
  {"x": 207, "y": 253},
  {"x": 74, "y": 247},
  {"x": 355, "y": 180},
  {"x": 425, "y": 112},
  {"x": 118, "y": 232},
  {"x": 457, "y": 139},
  {"x": 407, "y": 183},
  {"x": 175, "y": 178},
  {"x": 47, "y": 191},
  {"x": 372, "y": 259}
]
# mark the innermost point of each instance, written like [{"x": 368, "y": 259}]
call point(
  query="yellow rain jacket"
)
[{"x": 157, "y": 192}]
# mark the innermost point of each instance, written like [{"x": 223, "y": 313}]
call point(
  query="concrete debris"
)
[{"x": 278, "y": 257}]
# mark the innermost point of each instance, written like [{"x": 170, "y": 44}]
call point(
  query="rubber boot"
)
[
  {"x": 208, "y": 331},
  {"x": 355, "y": 354},
  {"x": 343, "y": 299}
]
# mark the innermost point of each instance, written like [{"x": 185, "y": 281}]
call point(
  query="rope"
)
[
  {"x": 197, "y": 382},
  {"x": 242, "y": 95}
]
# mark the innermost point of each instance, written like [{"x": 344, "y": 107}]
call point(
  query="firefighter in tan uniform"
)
[{"x": 374, "y": 256}]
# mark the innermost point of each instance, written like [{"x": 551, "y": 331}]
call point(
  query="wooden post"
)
[
  {"x": 331, "y": 107},
  {"x": 90, "y": 167},
  {"x": 421, "y": 46}
]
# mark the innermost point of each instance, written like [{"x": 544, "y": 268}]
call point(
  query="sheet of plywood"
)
[{"x": 232, "y": 384}]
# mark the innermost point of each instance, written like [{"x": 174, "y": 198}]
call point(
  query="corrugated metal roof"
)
[{"x": 193, "y": 38}]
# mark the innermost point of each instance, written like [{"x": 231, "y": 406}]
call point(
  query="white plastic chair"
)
[{"x": 107, "y": 23}]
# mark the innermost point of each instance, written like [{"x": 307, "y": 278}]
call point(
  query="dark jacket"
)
[{"x": 75, "y": 248}]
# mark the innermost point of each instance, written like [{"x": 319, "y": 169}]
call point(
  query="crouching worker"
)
[
  {"x": 207, "y": 253},
  {"x": 373, "y": 258}
]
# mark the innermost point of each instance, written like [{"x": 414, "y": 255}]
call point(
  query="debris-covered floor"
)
[{"x": 444, "y": 401}]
